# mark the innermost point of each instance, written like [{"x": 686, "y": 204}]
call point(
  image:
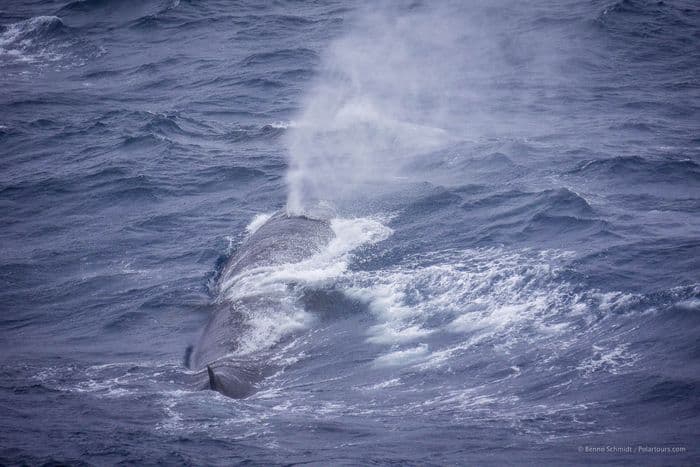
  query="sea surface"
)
[{"x": 514, "y": 189}]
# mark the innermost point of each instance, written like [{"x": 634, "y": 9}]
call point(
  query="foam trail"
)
[{"x": 484, "y": 295}]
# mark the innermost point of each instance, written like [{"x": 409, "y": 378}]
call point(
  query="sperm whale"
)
[{"x": 282, "y": 239}]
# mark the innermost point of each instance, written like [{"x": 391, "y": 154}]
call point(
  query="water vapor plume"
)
[{"x": 390, "y": 89}]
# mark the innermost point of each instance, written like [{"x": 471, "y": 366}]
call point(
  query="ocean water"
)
[{"x": 514, "y": 189}]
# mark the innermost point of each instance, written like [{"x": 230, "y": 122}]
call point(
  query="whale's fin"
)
[
  {"x": 212, "y": 379},
  {"x": 187, "y": 359},
  {"x": 233, "y": 379}
]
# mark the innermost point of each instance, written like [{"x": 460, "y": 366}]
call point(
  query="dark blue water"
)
[{"x": 521, "y": 286}]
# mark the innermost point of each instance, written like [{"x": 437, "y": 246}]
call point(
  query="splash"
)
[{"x": 490, "y": 296}]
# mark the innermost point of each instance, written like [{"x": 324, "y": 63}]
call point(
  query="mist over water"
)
[
  {"x": 380, "y": 99},
  {"x": 408, "y": 79}
]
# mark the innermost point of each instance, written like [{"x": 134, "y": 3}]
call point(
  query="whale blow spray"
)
[{"x": 396, "y": 88}]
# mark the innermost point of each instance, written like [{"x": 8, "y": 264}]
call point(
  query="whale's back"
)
[{"x": 282, "y": 239}]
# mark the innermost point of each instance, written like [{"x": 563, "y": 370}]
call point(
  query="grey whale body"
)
[{"x": 280, "y": 240}]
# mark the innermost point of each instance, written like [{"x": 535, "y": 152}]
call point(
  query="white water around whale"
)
[
  {"x": 476, "y": 295},
  {"x": 284, "y": 283}
]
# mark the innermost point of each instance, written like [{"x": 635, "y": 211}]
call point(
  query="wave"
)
[
  {"x": 37, "y": 27},
  {"x": 261, "y": 83},
  {"x": 44, "y": 40},
  {"x": 178, "y": 128},
  {"x": 438, "y": 311},
  {"x": 648, "y": 13},
  {"x": 635, "y": 264},
  {"x": 155, "y": 67},
  {"x": 640, "y": 169},
  {"x": 656, "y": 203},
  {"x": 672, "y": 390},
  {"x": 85, "y": 5},
  {"x": 652, "y": 32},
  {"x": 95, "y": 190},
  {"x": 281, "y": 57},
  {"x": 253, "y": 132},
  {"x": 29, "y": 40},
  {"x": 163, "y": 124},
  {"x": 543, "y": 217},
  {"x": 126, "y": 10},
  {"x": 561, "y": 201}
]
